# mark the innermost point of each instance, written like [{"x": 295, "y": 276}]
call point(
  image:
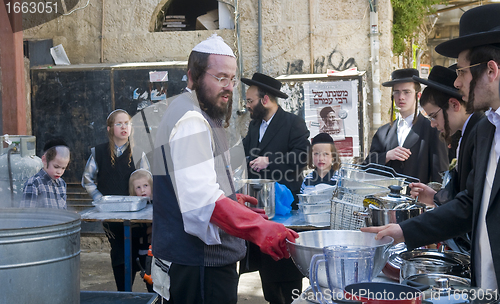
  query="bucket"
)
[
  {"x": 39, "y": 256},
  {"x": 262, "y": 190}
]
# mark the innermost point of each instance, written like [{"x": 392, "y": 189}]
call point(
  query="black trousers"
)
[{"x": 207, "y": 285}]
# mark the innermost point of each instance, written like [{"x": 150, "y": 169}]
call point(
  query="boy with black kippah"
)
[{"x": 47, "y": 189}]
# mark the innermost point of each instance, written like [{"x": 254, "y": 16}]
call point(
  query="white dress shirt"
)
[
  {"x": 404, "y": 127},
  {"x": 263, "y": 127}
]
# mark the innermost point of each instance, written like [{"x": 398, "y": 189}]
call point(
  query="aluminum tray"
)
[
  {"x": 317, "y": 197},
  {"x": 119, "y": 203},
  {"x": 314, "y": 208},
  {"x": 318, "y": 219}
]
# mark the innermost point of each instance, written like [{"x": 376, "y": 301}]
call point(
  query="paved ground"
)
[{"x": 96, "y": 274}]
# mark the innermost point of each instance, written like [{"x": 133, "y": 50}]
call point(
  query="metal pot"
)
[
  {"x": 426, "y": 261},
  {"x": 445, "y": 288},
  {"x": 262, "y": 190},
  {"x": 391, "y": 209}
]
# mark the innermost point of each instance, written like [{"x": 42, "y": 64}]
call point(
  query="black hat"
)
[
  {"x": 322, "y": 138},
  {"x": 478, "y": 26},
  {"x": 266, "y": 83},
  {"x": 324, "y": 112},
  {"x": 54, "y": 143},
  {"x": 442, "y": 79},
  {"x": 401, "y": 76}
]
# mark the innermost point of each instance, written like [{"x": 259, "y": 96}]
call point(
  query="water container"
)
[
  {"x": 23, "y": 164},
  {"x": 39, "y": 256}
]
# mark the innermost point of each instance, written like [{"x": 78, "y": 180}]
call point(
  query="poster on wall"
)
[{"x": 332, "y": 107}]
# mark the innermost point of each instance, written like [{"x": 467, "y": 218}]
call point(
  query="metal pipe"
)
[
  {"x": 259, "y": 21},
  {"x": 241, "y": 107},
  {"x": 375, "y": 65},
  {"x": 311, "y": 49}
]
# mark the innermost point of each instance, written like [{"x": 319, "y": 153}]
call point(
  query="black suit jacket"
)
[
  {"x": 285, "y": 143},
  {"x": 429, "y": 155},
  {"x": 464, "y": 165},
  {"x": 461, "y": 171},
  {"x": 461, "y": 214}
]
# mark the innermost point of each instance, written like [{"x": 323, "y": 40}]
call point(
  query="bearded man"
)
[
  {"x": 276, "y": 147},
  {"x": 200, "y": 224}
]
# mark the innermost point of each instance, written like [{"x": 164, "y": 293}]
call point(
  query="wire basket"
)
[
  {"x": 346, "y": 216},
  {"x": 347, "y": 204}
]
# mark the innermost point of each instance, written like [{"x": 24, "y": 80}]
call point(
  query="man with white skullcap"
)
[{"x": 200, "y": 223}]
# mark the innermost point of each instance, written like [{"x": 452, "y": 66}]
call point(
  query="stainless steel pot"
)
[
  {"x": 426, "y": 261},
  {"x": 262, "y": 190},
  {"x": 393, "y": 208}
]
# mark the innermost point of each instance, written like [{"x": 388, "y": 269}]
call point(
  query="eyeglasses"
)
[
  {"x": 224, "y": 81},
  {"x": 434, "y": 115},
  {"x": 126, "y": 124},
  {"x": 460, "y": 71},
  {"x": 249, "y": 101},
  {"x": 404, "y": 92}
]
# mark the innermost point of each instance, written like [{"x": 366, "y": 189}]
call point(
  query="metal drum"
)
[{"x": 39, "y": 256}]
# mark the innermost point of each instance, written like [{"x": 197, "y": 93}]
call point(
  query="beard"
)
[
  {"x": 259, "y": 112},
  {"x": 474, "y": 104},
  {"x": 209, "y": 103}
]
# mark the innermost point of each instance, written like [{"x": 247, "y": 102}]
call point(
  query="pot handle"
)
[{"x": 417, "y": 285}]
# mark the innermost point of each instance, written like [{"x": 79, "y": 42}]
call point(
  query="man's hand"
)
[
  {"x": 425, "y": 193},
  {"x": 398, "y": 153},
  {"x": 259, "y": 163},
  {"x": 392, "y": 230}
]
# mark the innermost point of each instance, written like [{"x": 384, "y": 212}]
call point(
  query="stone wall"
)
[{"x": 340, "y": 37}]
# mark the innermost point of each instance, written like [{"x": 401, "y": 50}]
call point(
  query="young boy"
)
[{"x": 47, "y": 189}]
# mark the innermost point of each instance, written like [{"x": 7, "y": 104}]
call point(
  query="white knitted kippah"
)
[{"x": 214, "y": 45}]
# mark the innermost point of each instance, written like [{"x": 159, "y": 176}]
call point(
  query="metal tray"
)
[
  {"x": 314, "y": 208},
  {"x": 318, "y": 219},
  {"x": 317, "y": 197},
  {"x": 119, "y": 203}
]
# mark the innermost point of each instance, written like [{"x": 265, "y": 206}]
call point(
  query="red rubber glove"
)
[
  {"x": 243, "y": 198},
  {"x": 241, "y": 222}
]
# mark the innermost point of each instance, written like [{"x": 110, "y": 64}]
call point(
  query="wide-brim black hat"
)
[
  {"x": 441, "y": 78},
  {"x": 478, "y": 26},
  {"x": 401, "y": 76},
  {"x": 266, "y": 83}
]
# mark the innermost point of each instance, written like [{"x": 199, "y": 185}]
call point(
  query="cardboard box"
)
[{"x": 209, "y": 21}]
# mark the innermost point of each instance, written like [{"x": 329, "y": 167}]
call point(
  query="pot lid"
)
[{"x": 393, "y": 200}]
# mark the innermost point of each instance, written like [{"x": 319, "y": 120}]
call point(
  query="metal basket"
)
[
  {"x": 346, "y": 216},
  {"x": 347, "y": 204}
]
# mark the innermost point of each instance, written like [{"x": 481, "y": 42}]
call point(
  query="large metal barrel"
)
[{"x": 39, "y": 256}]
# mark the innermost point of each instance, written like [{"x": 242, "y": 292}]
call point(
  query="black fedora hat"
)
[
  {"x": 478, "y": 26},
  {"x": 266, "y": 83},
  {"x": 441, "y": 78},
  {"x": 401, "y": 76}
]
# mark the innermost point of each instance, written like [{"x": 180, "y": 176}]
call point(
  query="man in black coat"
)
[
  {"x": 276, "y": 147},
  {"x": 409, "y": 144},
  {"x": 476, "y": 209}
]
